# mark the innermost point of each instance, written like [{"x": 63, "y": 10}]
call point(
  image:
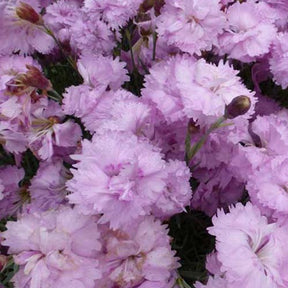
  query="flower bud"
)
[
  {"x": 238, "y": 106},
  {"x": 25, "y": 12}
]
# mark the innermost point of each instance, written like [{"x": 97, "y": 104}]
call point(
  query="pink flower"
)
[
  {"x": 250, "y": 31},
  {"x": 22, "y": 21},
  {"x": 138, "y": 256},
  {"x": 258, "y": 248},
  {"x": 54, "y": 249},
  {"x": 114, "y": 12},
  {"x": 102, "y": 72},
  {"x": 47, "y": 189},
  {"x": 89, "y": 33},
  {"x": 12, "y": 197},
  {"x": 184, "y": 88},
  {"x": 112, "y": 111},
  {"x": 191, "y": 25},
  {"x": 268, "y": 186},
  {"x": 61, "y": 15},
  {"x": 49, "y": 130},
  {"x": 217, "y": 188},
  {"x": 118, "y": 174},
  {"x": 279, "y": 60}
]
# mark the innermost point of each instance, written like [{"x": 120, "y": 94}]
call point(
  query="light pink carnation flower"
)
[
  {"x": 102, "y": 72},
  {"x": 250, "y": 31},
  {"x": 11, "y": 195},
  {"x": 12, "y": 138},
  {"x": 138, "y": 256},
  {"x": 217, "y": 188},
  {"x": 115, "y": 12},
  {"x": 267, "y": 141},
  {"x": 191, "y": 25},
  {"x": 279, "y": 60},
  {"x": 185, "y": 88},
  {"x": 258, "y": 248},
  {"x": 61, "y": 16},
  {"x": 22, "y": 28},
  {"x": 54, "y": 249},
  {"x": 49, "y": 130},
  {"x": 116, "y": 111},
  {"x": 47, "y": 189},
  {"x": 120, "y": 175},
  {"x": 177, "y": 193},
  {"x": 89, "y": 33},
  {"x": 269, "y": 186}
]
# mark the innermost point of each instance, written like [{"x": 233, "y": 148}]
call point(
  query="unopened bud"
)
[
  {"x": 25, "y": 12},
  {"x": 238, "y": 106}
]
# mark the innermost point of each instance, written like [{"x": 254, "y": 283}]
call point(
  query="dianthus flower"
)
[
  {"x": 115, "y": 13},
  {"x": 112, "y": 111},
  {"x": 118, "y": 174},
  {"x": 217, "y": 188},
  {"x": 12, "y": 196},
  {"x": 138, "y": 255},
  {"x": 60, "y": 16},
  {"x": 279, "y": 60},
  {"x": 102, "y": 72},
  {"x": 191, "y": 25},
  {"x": 185, "y": 88},
  {"x": 47, "y": 189},
  {"x": 89, "y": 33},
  {"x": 250, "y": 31},
  {"x": 258, "y": 248},
  {"x": 22, "y": 28},
  {"x": 269, "y": 186},
  {"x": 54, "y": 249},
  {"x": 48, "y": 129}
]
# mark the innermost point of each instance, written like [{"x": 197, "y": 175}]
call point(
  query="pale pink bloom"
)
[
  {"x": 119, "y": 174},
  {"x": 23, "y": 31},
  {"x": 102, "y": 72},
  {"x": 47, "y": 189},
  {"x": 54, "y": 249},
  {"x": 250, "y": 31},
  {"x": 115, "y": 13},
  {"x": 191, "y": 25},
  {"x": 217, "y": 188},
  {"x": 119, "y": 111},
  {"x": 49, "y": 130},
  {"x": 279, "y": 60},
  {"x": 61, "y": 16},
  {"x": 90, "y": 34},
  {"x": 269, "y": 186},
  {"x": 184, "y": 88},
  {"x": 138, "y": 255},
  {"x": 12, "y": 197},
  {"x": 258, "y": 248}
]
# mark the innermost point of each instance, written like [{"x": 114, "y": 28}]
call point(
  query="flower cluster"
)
[{"x": 120, "y": 118}]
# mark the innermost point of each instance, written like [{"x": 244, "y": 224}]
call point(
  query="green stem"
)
[
  {"x": 53, "y": 94},
  {"x": 128, "y": 35},
  {"x": 59, "y": 44},
  {"x": 154, "y": 45},
  {"x": 191, "y": 151}
]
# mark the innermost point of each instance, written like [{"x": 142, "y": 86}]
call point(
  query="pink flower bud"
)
[
  {"x": 238, "y": 106},
  {"x": 25, "y": 12}
]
